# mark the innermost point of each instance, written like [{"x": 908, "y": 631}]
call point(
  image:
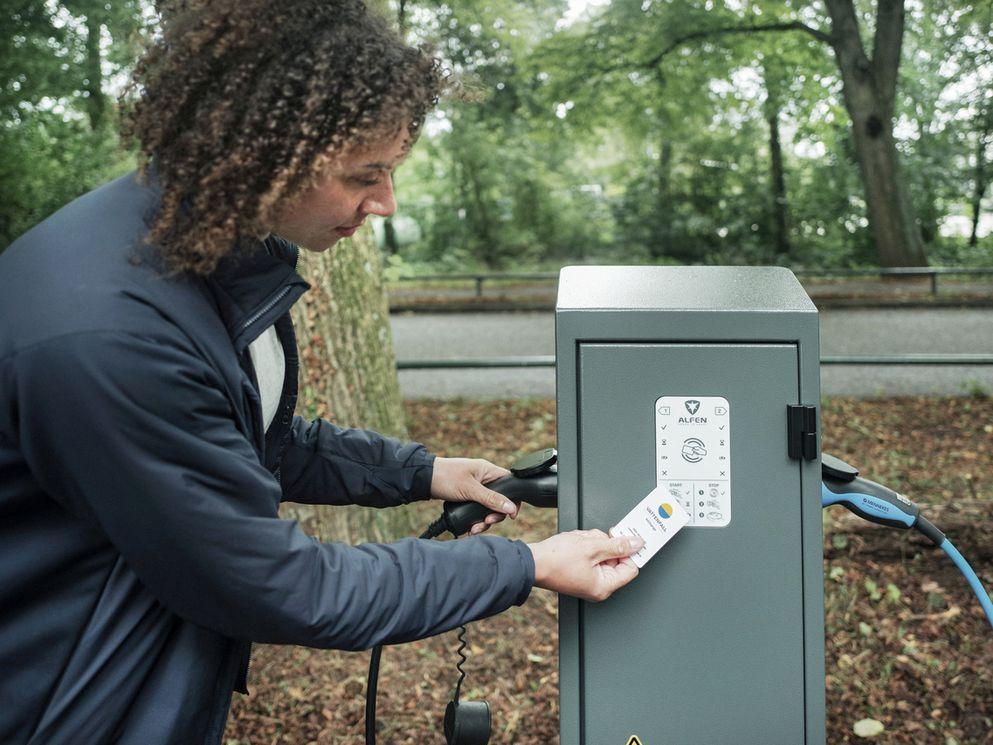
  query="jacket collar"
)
[{"x": 254, "y": 285}]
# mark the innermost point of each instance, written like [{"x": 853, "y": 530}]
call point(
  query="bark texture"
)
[{"x": 348, "y": 371}]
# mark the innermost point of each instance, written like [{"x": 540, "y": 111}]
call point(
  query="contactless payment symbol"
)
[
  {"x": 693, "y": 450},
  {"x": 665, "y": 510}
]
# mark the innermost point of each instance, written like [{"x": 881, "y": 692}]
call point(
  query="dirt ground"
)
[{"x": 907, "y": 644}]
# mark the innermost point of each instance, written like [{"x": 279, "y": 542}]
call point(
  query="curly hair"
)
[{"x": 240, "y": 104}]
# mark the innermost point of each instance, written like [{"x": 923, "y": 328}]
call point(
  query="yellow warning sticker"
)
[{"x": 634, "y": 740}]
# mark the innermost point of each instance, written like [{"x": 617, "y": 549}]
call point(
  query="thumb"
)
[
  {"x": 494, "y": 500},
  {"x": 620, "y": 574},
  {"x": 618, "y": 547}
]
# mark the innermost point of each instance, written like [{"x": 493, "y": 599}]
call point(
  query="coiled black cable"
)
[
  {"x": 458, "y": 665},
  {"x": 435, "y": 529}
]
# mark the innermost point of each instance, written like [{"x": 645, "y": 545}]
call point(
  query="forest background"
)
[{"x": 809, "y": 134}]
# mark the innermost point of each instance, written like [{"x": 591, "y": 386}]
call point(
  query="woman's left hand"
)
[{"x": 462, "y": 479}]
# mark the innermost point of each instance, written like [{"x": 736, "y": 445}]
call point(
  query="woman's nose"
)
[{"x": 382, "y": 202}]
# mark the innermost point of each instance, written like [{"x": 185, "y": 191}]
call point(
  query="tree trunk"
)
[
  {"x": 348, "y": 371},
  {"x": 663, "y": 239},
  {"x": 869, "y": 90},
  {"x": 774, "y": 76},
  {"x": 898, "y": 239},
  {"x": 778, "y": 184},
  {"x": 95, "y": 101},
  {"x": 480, "y": 217},
  {"x": 979, "y": 187},
  {"x": 390, "y": 241}
]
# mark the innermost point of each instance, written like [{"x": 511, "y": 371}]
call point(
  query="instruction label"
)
[{"x": 693, "y": 456}]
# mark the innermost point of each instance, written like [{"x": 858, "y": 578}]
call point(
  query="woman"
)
[{"x": 148, "y": 378}]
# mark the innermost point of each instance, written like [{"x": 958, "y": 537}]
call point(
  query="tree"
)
[
  {"x": 772, "y": 76},
  {"x": 868, "y": 85},
  {"x": 869, "y": 89},
  {"x": 348, "y": 370}
]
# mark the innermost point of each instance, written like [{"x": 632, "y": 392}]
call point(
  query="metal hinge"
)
[{"x": 801, "y": 431}]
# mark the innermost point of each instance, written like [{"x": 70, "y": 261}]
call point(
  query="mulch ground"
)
[{"x": 907, "y": 644}]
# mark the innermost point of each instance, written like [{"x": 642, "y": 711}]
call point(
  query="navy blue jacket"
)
[{"x": 140, "y": 548}]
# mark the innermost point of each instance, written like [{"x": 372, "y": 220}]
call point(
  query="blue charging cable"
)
[{"x": 841, "y": 484}]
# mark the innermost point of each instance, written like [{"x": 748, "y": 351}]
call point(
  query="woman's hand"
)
[
  {"x": 586, "y": 564},
  {"x": 462, "y": 479}
]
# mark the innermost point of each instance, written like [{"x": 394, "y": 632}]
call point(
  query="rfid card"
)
[{"x": 656, "y": 519}]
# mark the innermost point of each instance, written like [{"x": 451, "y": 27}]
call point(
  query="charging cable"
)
[
  {"x": 533, "y": 479},
  {"x": 841, "y": 484}
]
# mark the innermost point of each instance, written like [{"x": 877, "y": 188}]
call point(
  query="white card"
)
[{"x": 656, "y": 519}]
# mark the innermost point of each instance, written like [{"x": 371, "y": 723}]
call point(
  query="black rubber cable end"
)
[
  {"x": 467, "y": 723},
  {"x": 927, "y": 528}
]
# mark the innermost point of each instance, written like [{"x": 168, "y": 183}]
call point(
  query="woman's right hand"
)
[{"x": 586, "y": 564}]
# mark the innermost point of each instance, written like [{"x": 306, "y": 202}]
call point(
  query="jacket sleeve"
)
[
  {"x": 136, "y": 436},
  {"x": 326, "y": 464}
]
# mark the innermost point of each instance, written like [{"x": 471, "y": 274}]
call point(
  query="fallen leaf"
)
[{"x": 868, "y": 728}]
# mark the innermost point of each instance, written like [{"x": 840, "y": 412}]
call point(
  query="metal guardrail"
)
[
  {"x": 932, "y": 272},
  {"x": 480, "y": 278},
  {"x": 548, "y": 360}
]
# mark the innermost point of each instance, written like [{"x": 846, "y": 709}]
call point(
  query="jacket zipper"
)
[
  {"x": 252, "y": 319},
  {"x": 273, "y": 302}
]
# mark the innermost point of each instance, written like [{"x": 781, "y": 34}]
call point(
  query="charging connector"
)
[{"x": 841, "y": 484}]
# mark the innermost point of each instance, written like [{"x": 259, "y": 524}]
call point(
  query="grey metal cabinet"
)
[{"x": 680, "y": 377}]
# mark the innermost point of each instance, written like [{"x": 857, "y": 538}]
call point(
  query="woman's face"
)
[{"x": 356, "y": 184}]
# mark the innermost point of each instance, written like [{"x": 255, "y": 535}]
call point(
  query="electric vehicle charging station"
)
[
  {"x": 705, "y": 381},
  {"x": 698, "y": 386}
]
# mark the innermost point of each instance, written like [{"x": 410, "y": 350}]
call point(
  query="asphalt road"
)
[{"x": 857, "y": 332}]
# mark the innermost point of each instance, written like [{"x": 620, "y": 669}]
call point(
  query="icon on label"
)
[
  {"x": 715, "y": 516},
  {"x": 633, "y": 740},
  {"x": 694, "y": 450},
  {"x": 664, "y": 410},
  {"x": 692, "y": 406},
  {"x": 720, "y": 410}
]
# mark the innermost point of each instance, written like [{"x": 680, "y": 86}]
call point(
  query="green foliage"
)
[
  {"x": 637, "y": 131},
  {"x": 57, "y": 120},
  {"x": 662, "y": 110},
  {"x": 47, "y": 161}
]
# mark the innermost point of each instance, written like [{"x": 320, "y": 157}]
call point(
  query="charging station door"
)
[
  {"x": 723, "y": 624},
  {"x": 719, "y": 640}
]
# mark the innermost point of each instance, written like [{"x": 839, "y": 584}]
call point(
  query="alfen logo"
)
[
  {"x": 665, "y": 510},
  {"x": 692, "y": 406}
]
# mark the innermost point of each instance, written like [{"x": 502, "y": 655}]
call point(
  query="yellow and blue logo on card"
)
[{"x": 665, "y": 510}]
